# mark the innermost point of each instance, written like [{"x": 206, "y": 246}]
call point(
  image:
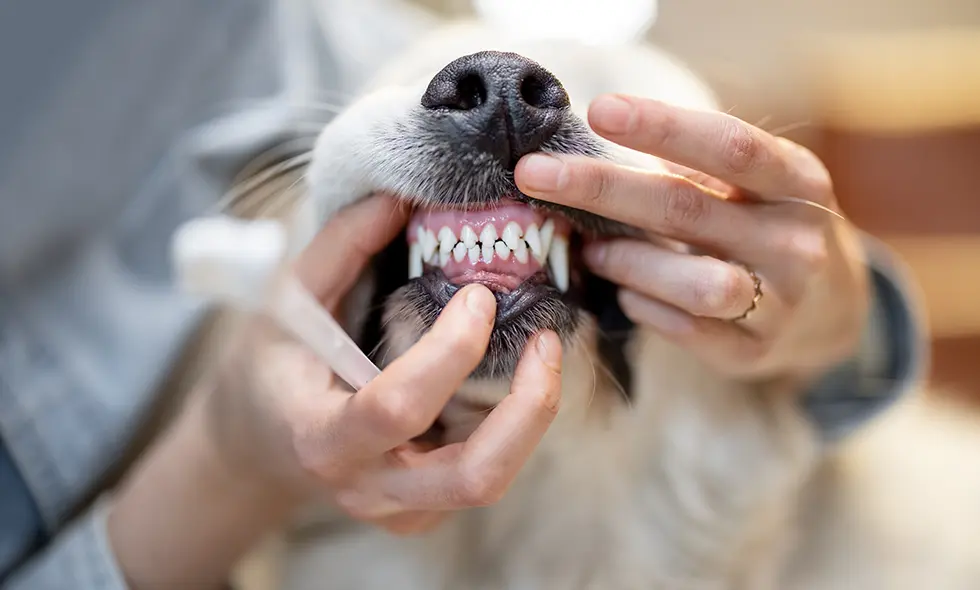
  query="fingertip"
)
[
  {"x": 613, "y": 114},
  {"x": 549, "y": 350},
  {"x": 479, "y": 301}
]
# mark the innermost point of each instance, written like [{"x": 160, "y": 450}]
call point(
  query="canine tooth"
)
[
  {"x": 488, "y": 235},
  {"x": 447, "y": 240},
  {"x": 474, "y": 253},
  {"x": 414, "y": 261},
  {"x": 468, "y": 236},
  {"x": 558, "y": 260},
  {"x": 520, "y": 252},
  {"x": 547, "y": 232},
  {"x": 533, "y": 239},
  {"x": 503, "y": 252},
  {"x": 512, "y": 235},
  {"x": 429, "y": 244},
  {"x": 487, "y": 249},
  {"x": 459, "y": 252}
]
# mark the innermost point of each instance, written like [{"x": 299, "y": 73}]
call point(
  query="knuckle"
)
[
  {"x": 745, "y": 148},
  {"x": 596, "y": 183},
  {"x": 684, "y": 207},
  {"x": 478, "y": 489},
  {"x": 719, "y": 291},
  {"x": 811, "y": 250},
  {"x": 394, "y": 414}
]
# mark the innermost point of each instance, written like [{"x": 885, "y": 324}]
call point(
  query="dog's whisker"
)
[{"x": 789, "y": 127}]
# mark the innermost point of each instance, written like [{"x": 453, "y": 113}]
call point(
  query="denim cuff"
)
[{"x": 81, "y": 557}]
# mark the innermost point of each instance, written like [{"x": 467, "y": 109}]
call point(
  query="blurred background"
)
[{"x": 887, "y": 92}]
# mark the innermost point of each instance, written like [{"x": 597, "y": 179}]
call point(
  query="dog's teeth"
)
[
  {"x": 459, "y": 252},
  {"x": 512, "y": 235},
  {"x": 547, "y": 232},
  {"x": 429, "y": 244},
  {"x": 488, "y": 235},
  {"x": 447, "y": 240},
  {"x": 444, "y": 257},
  {"x": 520, "y": 252},
  {"x": 415, "y": 261},
  {"x": 468, "y": 236},
  {"x": 487, "y": 249},
  {"x": 533, "y": 239},
  {"x": 558, "y": 259},
  {"x": 474, "y": 253},
  {"x": 503, "y": 252}
]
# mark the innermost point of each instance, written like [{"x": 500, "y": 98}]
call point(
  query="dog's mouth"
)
[{"x": 520, "y": 253}]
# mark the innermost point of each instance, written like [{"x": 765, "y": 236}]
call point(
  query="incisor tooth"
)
[
  {"x": 533, "y": 239},
  {"x": 558, "y": 260},
  {"x": 520, "y": 252},
  {"x": 444, "y": 257},
  {"x": 503, "y": 252},
  {"x": 512, "y": 235},
  {"x": 468, "y": 236},
  {"x": 447, "y": 240},
  {"x": 487, "y": 249},
  {"x": 414, "y": 261},
  {"x": 459, "y": 252},
  {"x": 474, "y": 254},
  {"x": 429, "y": 244},
  {"x": 488, "y": 235}
]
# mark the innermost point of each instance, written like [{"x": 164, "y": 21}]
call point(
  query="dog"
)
[{"x": 657, "y": 473}]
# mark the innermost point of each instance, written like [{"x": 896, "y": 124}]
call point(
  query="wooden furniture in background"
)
[{"x": 898, "y": 117}]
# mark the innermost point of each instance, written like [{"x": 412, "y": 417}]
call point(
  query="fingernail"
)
[
  {"x": 480, "y": 302},
  {"x": 542, "y": 173},
  {"x": 612, "y": 115},
  {"x": 550, "y": 354}
]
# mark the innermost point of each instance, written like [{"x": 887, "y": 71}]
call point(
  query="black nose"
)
[{"x": 500, "y": 103}]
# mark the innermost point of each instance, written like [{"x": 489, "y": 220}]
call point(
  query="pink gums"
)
[{"x": 500, "y": 275}]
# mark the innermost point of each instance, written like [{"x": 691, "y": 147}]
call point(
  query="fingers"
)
[
  {"x": 664, "y": 204},
  {"x": 411, "y": 523},
  {"x": 699, "y": 285},
  {"x": 715, "y": 143},
  {"x": 721, "y": 344},
  {"x": 479, "y": 471},
  {"x": 335, "y": 258},
  {"x": 406, "y": 398}
]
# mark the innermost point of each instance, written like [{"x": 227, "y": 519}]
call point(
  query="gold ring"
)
[{"x": 757, "y": 287}]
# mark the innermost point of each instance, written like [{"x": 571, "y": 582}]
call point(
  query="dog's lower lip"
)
[{"x": 510, "y": 304}]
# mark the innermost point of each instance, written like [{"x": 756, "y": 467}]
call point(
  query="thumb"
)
[{"x": 338, "y": 254}]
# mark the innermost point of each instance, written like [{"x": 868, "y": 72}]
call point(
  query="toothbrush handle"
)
[{"x": 299, "y": 312}]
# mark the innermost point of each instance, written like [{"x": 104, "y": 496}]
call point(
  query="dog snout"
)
[{"x": 500, "y": 103}]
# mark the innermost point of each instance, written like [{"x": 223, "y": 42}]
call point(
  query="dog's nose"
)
[{"x": 501, "y": 103}]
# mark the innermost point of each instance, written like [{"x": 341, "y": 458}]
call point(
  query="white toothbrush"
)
[{"x": 241, "y": 263}]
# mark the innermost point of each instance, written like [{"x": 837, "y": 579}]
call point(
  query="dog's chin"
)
[{"x": 533, "y": 306}]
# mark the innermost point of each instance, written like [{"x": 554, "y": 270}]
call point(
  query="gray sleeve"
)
[
  {"x": 81, "y": 554},
  {"x": 892, "y": 358}
]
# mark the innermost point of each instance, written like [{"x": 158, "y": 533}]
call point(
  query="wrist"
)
[{"x": 186, "y": 515}]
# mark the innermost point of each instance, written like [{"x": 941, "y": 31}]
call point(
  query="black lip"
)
[{"x": 510, "y": 306}]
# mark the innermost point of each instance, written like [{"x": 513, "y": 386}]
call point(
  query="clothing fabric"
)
[{"x": 129, "y": 117}]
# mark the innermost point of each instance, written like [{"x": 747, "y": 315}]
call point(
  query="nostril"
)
[
  {"x": 543, "y": 92},
  {"x": 456, "y": 90},
  {"x": 471, "y": 91}
]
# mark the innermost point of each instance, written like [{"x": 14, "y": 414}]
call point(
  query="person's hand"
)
[
  {"x": 722, "y": 195},
  {"x": 279, "y": 411}
]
